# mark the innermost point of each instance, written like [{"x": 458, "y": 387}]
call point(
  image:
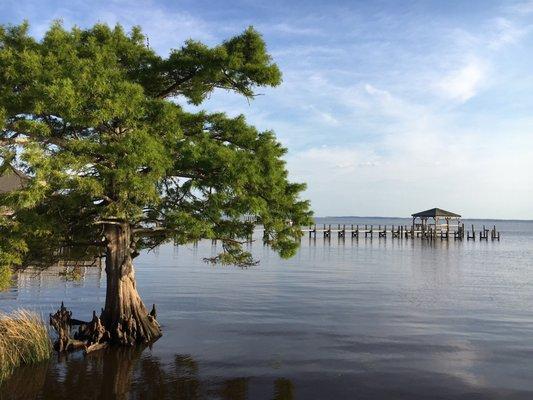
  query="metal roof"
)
[
  {"x": 435, "y": 212},
  {"x": 12, "y": 180}
]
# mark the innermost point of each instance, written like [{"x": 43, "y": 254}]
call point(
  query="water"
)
[{"x": 365, "y": 319}]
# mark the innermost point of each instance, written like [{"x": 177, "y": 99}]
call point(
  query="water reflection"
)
[
  {"x": 119, "y": 374},
  {"x": 359, "y": 318}
]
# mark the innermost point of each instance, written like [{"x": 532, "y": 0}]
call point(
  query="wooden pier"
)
[
  {"x": 399, "y": 232},
  {"x": 432, "y": 224}
]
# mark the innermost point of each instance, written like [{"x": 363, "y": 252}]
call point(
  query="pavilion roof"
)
[
  {"x": 435, "y": 212},
  {"x": 11, "y": 180}
]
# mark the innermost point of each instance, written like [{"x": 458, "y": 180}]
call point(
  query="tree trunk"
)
[{"x": 125, "y": 316}]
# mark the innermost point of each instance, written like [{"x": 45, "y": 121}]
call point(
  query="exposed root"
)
[
  {"x": 61, "y": 321},
  {"x": 92, "y": 336}
]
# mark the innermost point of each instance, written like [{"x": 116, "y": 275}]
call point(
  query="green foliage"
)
[
  {"x": 89, "y": 116},
  {"x": 72, "y": 274}
]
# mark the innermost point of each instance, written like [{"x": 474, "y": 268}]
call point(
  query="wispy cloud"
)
[
  {"x": 521, "y": 7},
  {"x": 506, "y": 33},
  {"x": 291, "y": 29},
  {"x": 166, "y": 29}
]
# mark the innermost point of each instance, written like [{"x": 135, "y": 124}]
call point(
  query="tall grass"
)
[
  {"x": 6, "y": 277},
  {"x": 24, "y": 340}
]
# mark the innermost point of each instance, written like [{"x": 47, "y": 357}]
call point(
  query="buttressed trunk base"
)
[{"x": 125, "y": 316}]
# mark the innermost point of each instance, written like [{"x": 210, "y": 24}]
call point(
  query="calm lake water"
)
[{"x": 352, "y": 319}]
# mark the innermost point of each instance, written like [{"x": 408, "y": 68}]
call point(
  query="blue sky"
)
[{"x": 387, "y": 107}]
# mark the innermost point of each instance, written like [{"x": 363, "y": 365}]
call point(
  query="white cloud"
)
[
  {"x": 383, "y": 95},
  {"x": 420, "y": 155},
  {"x": 418, "y": 170},
  {"x": 464, "y": 82}
]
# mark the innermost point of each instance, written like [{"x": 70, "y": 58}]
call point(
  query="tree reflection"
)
[
  {"x": 233, "y": 389},
  {"x": 124, "y": 373},
  {"x": 283, "y": 389}
]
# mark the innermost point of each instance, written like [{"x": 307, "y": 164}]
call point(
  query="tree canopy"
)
[{"x": 93, "y": 117}]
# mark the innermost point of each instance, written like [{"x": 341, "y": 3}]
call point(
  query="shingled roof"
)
[
  {"x": 435, "y": 212},
  {"x": 12, "y": 180}
]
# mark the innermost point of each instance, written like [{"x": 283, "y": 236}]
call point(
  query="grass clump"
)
[
  {"x": 24, "y": 340},
  {"x": 6, "y": 277}
]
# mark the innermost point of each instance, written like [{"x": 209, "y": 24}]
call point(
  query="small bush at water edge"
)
[{"x": 24, "y": 340}]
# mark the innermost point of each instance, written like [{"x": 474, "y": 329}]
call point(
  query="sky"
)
[{"x": 386, "y": 107}]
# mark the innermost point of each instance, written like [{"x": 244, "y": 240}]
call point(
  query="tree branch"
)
[
  {"x": 151, "y": 231},
  {"x": 175, "y": 86}
]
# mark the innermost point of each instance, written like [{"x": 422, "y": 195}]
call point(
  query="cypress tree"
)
[{"x": 93, "y": 117}]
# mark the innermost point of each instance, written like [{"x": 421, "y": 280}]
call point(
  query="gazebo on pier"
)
[
  {"x": 435, "y": 219},
  {"x": 10, "y": 181}
]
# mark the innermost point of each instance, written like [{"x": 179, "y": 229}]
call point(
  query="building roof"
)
[
  {"x": 12, "y": 180},
  {"x": 435, "y": 212}
]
